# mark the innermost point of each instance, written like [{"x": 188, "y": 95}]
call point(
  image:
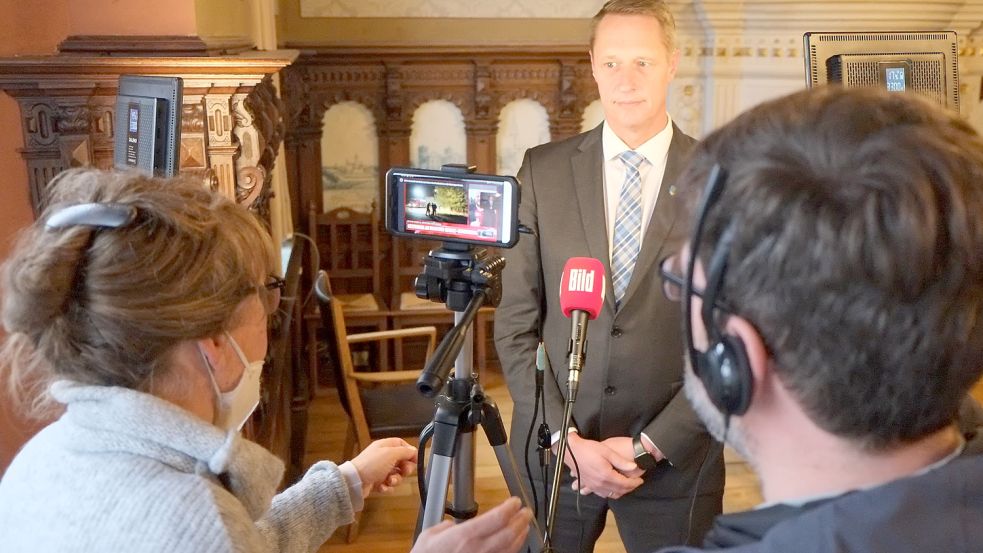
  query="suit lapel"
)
[
  {"x": 588, "y": 180},
  {"x": 663, "y": 219}
]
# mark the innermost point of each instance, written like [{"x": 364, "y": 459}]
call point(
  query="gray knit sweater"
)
[{"x": 125, "y": 471}]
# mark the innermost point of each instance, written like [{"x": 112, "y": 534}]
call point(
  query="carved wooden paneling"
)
[
  {"x": 392, "y": 82},
  {"x": 67, "y": 105}
]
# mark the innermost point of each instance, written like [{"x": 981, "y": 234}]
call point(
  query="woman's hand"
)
[
  {"x": 383, "y": 464},
  {"x": 500, "y": 530}
]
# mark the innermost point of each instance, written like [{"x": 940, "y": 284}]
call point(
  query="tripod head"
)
[
  {"x": 454, "y": 273},
  {"x": 464, "y": 280}
]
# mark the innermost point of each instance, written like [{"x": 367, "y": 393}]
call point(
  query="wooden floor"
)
[{"x": 388, "y": 520}]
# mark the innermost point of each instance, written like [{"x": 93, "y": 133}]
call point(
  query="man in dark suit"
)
[{"x": 610, "y": 194}]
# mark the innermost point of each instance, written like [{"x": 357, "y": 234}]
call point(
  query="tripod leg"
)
[
  {"x": 439, "y": 471},
  {"x": 463, "y": 505},
  {"x": 491, "y": 421}
]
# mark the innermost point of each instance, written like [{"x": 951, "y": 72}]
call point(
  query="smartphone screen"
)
[{"x": 451, "y": 206}]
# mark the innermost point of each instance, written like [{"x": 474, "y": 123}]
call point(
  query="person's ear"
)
[
  {"x": 209, "y": 347},
  {"x": 215, "y": 349},
  {"x": 758, "y": 357}
]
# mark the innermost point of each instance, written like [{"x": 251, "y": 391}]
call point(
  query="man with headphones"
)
[{"x": 832, "y": 295}]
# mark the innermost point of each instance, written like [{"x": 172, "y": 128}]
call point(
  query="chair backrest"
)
[
  {"x": 348, "y": 242},
  {"x": 281, "y": 368},
  {"x": 333, "y": 323},
  {"x": 289, "y": 297},
  {"x": 290, "y": 335},
  {"x": 407, "y": 262}
]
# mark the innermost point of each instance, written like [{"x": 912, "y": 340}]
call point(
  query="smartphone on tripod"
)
[{"x": 453, "y": 206}]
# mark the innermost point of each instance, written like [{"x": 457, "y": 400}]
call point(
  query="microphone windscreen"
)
[{"x": 582, "y": 286}]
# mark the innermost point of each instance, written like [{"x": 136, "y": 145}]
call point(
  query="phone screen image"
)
[{"x": 477, "y": 209}]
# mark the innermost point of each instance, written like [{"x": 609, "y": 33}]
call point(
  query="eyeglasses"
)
[
  {"x": 270, "y": 293},
  {"x": 673, "y": 283}
]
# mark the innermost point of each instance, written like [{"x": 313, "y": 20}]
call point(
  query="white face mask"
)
[{"x": 236, "y": 405}]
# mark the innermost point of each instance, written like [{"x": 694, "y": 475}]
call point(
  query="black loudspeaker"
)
[
  {"x": 723, "y": 368},
  {"x": 920, "y": 62}
]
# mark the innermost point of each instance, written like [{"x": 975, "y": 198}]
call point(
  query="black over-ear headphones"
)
[{"x": 723, "y": 368}]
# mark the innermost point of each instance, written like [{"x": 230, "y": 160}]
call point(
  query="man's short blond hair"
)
[{"x": 652, "y": 8}]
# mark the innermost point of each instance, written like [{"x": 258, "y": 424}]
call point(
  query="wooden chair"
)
[
  {"x": 349, "y": 249},
  {"x": 348, "y": 242},
  {"x": 378, "y": 404},
  {"x": 407, "y": 310}
]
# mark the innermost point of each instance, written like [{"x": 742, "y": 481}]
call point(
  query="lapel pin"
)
[{"x": 672, "y": 190}]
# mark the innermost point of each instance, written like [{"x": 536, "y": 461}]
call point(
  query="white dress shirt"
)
[{"x": 656, "y": 152}]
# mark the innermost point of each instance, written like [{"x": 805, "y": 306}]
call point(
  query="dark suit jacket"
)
[{"x": 632, "y": 378}]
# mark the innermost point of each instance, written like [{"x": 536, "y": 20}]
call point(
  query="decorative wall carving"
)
[
  {"x": 39, "y": 123},
  {"x": 548, "y": 98},
  {"x": 394, "y": 93},
  {"x": 482, "y": 94},
  {"x": 266, "y": 134},
  {"x": 537, "y": 74},
  {"x": 192, "y": 118},
  {"x": 368, "y": 98},
  {"x": 462, "y": 100},
  {"x": 72, "y": 119}
]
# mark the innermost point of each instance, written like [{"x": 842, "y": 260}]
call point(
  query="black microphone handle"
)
[{"x": 578, "y": 350}]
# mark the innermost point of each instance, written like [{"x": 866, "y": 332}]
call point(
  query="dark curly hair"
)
[{"x": 858, "y": 254}]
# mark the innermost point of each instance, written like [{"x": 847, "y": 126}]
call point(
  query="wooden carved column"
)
[
  {"x": 482, "y": 127},
  {"x": 41, "y": 151},
  {"x": 303, "y": 142},
  {"x": 259, "y": 128},
  {"x": 395, "y": 129},
  {"x": 572, "y": 100},
  {"x": 220, "y": 150}
]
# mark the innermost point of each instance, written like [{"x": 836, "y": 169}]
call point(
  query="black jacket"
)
[{"x": 937, "y": 512}]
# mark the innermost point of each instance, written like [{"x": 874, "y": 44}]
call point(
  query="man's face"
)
[{"x": 633, "y": 69}]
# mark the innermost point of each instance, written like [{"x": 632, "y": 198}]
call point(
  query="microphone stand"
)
[{"x": 578, "y": 346}]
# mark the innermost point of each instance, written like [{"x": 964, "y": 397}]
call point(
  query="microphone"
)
[
  {"x": 581, "y": 299},
  {"x": 542, "y": 362},
  {"x": 543, "y": 437}
]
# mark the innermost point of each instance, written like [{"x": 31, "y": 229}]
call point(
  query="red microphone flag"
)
[{"x": 582, "y": 286}]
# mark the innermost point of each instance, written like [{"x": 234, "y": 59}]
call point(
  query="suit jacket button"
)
[
  {"x": 616, "y": 332},
  {"x": 610, "y": 390}
]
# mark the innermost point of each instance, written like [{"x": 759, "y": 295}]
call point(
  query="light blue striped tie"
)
[{"x": 628, "y": 225}]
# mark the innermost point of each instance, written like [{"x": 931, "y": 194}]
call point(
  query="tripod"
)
[{"x": 465, "y": 281}]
